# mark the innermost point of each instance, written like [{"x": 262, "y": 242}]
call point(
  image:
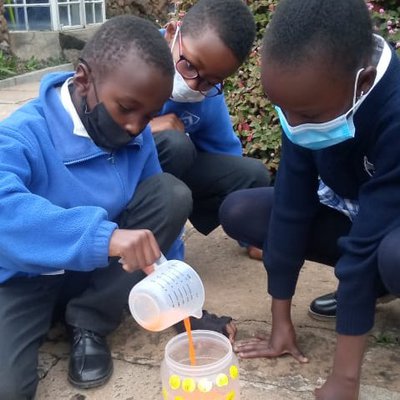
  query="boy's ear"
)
[
  {"x": 367, "y": 79},
  {"x": 170, "y": 30},
  {"x": 82, "y": 80}
]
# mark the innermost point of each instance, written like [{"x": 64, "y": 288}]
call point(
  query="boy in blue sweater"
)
[
  {"x": 336, "y": 88},
  {"x": 193, "y": 132},
  {"x": 80, "y": 188}
]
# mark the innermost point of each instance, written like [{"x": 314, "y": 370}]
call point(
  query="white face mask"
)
[{"x": 182, "y": 92}]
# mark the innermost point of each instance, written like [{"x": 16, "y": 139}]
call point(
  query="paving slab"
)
[
  {"x": 33, "y": 76},
  {"x": 6, "y": 110},
  {"x": 31, "y": 86},
  {"x": 14, "y": 96},
  {"x": 236, "y": 285},
  {"x": 9, "y": 96}
]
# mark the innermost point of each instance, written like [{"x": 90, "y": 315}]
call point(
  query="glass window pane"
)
[
  {"x": 63, "y": 13},
  {"x": 15, "y": 18},
  {"x": 75, "y": 15},
  {"x": 39, "y": 18},
  {"x": 37, "y": 1},
  {"x": 98, "y": 12},
  {"x": 89, "y": 14}
]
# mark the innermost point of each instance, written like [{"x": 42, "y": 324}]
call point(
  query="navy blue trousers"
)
[
  {"x": 209, "y": 176},
  {"x": 245, "y": 215}
]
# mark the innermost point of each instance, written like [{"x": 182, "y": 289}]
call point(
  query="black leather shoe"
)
[
  {"x": 323, "y": 307},
  {"x": 90, "y": 362}
]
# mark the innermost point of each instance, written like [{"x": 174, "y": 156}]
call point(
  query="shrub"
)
[
  {"x": 11, "y": 65},
  {"x": 386, "y": 17},
  {"x": 253, "y": 116}
]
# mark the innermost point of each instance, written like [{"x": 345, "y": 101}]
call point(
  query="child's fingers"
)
[
  {"x": 148, "y": 270},
  {"x": 246, "y": 342},
  {"x": 299, "y": 356},
  {"x": 231, "y": 331},
  {"x": 260, "y": 336}
]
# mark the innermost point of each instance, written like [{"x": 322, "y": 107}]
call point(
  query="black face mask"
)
[
  {"x": 100, "y": 126},
  {"x": 102, "y": 129}
]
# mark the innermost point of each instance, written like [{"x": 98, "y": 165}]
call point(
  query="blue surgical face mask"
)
[{"x": 316, "y": 136}]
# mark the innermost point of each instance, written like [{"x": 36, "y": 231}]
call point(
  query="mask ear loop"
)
[
  {"x": 355, "y": 98},
  {"x": 84, "y": 62},
  {"x": 178, "y": 26}
]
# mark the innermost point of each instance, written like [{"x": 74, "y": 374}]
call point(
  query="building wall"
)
[
  {"x": 156, "y": 10},
  {"x": 4, "y": 35},
  {"x": 45, "y": 44}
]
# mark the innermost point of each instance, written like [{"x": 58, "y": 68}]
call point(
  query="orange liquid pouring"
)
[{"x": 192, "y": 353}]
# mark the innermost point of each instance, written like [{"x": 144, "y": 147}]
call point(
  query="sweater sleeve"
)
[
  {"x": 295, "y": 205},
  {"x": 379, "y": 213},
  {"x": 38, "y": 236}
]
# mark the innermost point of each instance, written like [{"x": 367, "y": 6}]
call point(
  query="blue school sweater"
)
[
  {"x": 208, "y": 124},
  {"x": 346, "y": 169},
  {"x": 59, "y": 192}
]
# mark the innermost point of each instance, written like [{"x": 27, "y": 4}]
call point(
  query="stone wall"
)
[
  {"x": 4, "y": 35},
  {"x": 155, "y": 10}
]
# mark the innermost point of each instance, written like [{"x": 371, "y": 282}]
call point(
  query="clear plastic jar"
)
[{"x": 215, "y": 375}]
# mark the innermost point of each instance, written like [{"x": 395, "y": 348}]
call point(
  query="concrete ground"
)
[{"x": 236, "y": 286}]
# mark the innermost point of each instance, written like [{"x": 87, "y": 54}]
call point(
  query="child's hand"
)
[
  {"x": 338, "y": 387},
  {"x": 136, "y": 248},
  {"x": 344, "y": 382},
  {"x": 279, "y": 343},
  {"x": 282, "y": 340},
  {"x": 167, "y": 122}
]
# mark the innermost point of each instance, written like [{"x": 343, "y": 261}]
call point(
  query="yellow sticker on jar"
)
[
  {"x": 231, "y": 395},
  {"x": 174, "y": 382},
  {"x": 188, "y": 385},
  {"x": 178, "y": 398},
  {"x": 204, "y": 385},
  {"x": 221, "y": 380},
  {"x": 233, "y": 371}
]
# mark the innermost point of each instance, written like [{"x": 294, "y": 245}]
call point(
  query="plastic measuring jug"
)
[{"x": 173, "y": 292}]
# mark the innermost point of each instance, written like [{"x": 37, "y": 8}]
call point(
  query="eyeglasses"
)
[{"x": 189, "y": 71}]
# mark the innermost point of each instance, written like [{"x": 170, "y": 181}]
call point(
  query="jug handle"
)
[
  {"x": 151, "y": 268},
  {"x": 160, "y": 261}
]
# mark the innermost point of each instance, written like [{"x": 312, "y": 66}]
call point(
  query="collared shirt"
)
[
  {"x": 66, "y": 101},
  {"x": 329, "y": 198}
]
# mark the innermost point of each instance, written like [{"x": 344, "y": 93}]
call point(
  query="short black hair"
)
[
  {"x": 339, "y": 32},
  {"x": 122, "y": 36},
  {"x": 231, "y": 20}
]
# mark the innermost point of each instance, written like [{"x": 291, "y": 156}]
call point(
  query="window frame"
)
[{"x": 54, "y": 8}]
